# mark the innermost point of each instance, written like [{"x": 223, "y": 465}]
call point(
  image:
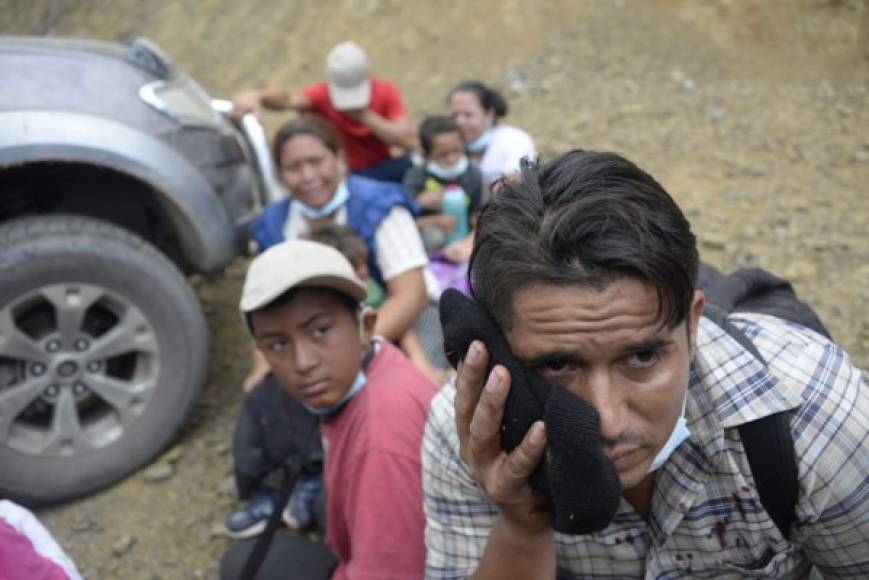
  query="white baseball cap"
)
[
  {"x": 348, "y": 77},
  {"x": 297, "y": 263}
]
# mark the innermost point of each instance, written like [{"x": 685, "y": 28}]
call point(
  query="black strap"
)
[
  {"x": 770, "y": 449},
  {"x": 257, "y": 555},
  {"x": 768, "y": 445}
]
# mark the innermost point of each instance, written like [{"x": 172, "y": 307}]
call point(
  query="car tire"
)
[{"x": 102, "y": 355}]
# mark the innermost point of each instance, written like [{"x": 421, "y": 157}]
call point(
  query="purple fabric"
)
[
  {"x": 448, "y": 274},
  {"x": 20, "y": 561}
]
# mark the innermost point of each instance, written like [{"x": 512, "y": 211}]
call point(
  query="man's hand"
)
[
  {"x": 246, "y": 102},
  {"x": 393, "y": 132},
  {"x": 479, "y": 409}
]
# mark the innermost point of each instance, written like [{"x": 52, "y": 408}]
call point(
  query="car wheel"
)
[{"x": 102, "y": 354}]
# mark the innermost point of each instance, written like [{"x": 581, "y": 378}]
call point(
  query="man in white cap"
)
[{"x": 366, "y": 112}]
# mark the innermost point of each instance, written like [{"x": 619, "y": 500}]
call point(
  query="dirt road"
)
[{"x": 753, "y": 114}]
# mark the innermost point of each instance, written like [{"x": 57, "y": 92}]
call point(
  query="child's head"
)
[
  {"x": 346, "y": 241},
  {"x": 441, "y": 141},
  {"x": 301, "y": 301}
]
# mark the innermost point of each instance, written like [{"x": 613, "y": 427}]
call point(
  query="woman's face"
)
[
  {"x": 310, "y": 170},
  {"x": 468, "y": 114}
]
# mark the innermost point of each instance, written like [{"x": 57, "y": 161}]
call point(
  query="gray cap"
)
[
  {"x": 348, "y": 77},
  {"x": 294, "y": 264}
]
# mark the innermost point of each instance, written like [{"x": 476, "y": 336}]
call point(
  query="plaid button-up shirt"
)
[{"x": 707, "y": 520}]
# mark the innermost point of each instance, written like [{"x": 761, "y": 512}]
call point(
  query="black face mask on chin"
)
[{"x": 580, "y": 481}]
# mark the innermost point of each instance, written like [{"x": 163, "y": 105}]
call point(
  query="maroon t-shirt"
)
[{"x": 375, "y": 522}]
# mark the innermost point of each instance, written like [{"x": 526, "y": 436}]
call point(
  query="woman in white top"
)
[{"x": 496, "y": 148}]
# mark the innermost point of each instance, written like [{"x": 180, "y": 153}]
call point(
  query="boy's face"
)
[
  {"x": 446, "y": 149},
  {"x": 313, "y": 344}
]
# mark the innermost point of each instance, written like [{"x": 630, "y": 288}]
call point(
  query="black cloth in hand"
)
[{"x": 575, "y": 474}]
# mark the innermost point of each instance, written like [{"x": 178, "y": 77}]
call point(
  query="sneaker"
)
[
  {"x": 251, "y": 519},
  {"x": 299, "y": 511}
]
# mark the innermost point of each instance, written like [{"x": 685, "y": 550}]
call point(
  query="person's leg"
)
[
  {"x": 288, "y": 558},
  {"x": 392, "y": 169}
]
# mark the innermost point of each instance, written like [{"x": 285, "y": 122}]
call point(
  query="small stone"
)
[
  {"x": 226, "y": 487},
  {"x": 124, "y": 544},
  {"x": 83, "y": 523},
  {"x": 158, "y": 472},
  {"x": 218, "y": 531},
  {"x": 862, "y": 156},
  {"x": 716, "y": 113},
  {"x": 174, "y": 454},
  {"x": 713, "y": 241}
]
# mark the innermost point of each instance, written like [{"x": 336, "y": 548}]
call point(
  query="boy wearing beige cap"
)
[
  {"x": 365, "y": 111},
  {"x": 301, "y": 301}
]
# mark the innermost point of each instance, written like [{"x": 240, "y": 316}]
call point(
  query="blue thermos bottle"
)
[{"x": 455, "y": 203}]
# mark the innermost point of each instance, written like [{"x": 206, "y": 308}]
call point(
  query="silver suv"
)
[{"x": 118, "y": 176}]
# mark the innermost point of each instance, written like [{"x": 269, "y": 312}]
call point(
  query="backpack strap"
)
[
  {"x": 770, "y": 449},
  {"x": 768, "y": 445}
]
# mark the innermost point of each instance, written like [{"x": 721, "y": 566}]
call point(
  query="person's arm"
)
[
  {"x": 521, "y": 544},
  {"x": 832, "y": 512},
  {"x": 258, "y": 370},
  {"x": 273, "y": 99},
  {"x": 394, "y": 132},
  {"x": 412, "y": 347},
  {"x": 405, "y": 299},
  {"x": 401, "y": 259}
]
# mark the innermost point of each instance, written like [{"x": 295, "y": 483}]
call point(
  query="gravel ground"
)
[{"x": 753, "y": 114}]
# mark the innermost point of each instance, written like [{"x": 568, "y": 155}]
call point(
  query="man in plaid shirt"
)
[{"x": 589, "y": 268}]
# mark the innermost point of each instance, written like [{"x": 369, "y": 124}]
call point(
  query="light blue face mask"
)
[
  {"x": 342, "y": 194},
  {"x": 677, "y": 437},
  {"x": 325, "y": 412},
  {"x": 481, "y": 142},
  {"x": 448, "y": 173}
]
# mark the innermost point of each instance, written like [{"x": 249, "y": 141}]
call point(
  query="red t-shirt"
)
[
  {"x": 375, "y": 522},
  {"x": 361, "y": 147}
]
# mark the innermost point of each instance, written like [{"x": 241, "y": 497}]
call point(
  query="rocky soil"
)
[{"x": 752, "y": 113}]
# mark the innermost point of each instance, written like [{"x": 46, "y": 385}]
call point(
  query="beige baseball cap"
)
[
  {"x": 294, "y": 264},
  {"x": 348, "y": 77}
]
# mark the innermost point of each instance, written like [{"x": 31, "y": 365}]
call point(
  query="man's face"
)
[
  {"x": 609, "y": 347},
  {"x": 313, "y": 345}
]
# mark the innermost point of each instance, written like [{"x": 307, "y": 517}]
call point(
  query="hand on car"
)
[
  {"x": 479, "y": 407},
  {"x": 248, "y": 102}
]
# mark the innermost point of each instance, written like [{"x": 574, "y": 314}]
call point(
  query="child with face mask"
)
[
  {"x": 370, "y": 402},
  {"x": 449, "y": 189}
]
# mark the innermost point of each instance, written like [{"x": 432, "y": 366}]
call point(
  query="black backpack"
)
[{"x": 767, "y": 441}]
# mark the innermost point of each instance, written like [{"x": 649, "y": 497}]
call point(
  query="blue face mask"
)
[
  {"x": 342, "y": 194},
  {"x": 448, "y": 173},
  {"x": 677, "y": 437},
  {"x": 481, "y": 142},
  {"x": 326, "y": 412}
]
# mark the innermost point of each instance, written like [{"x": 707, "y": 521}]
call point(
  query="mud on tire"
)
[{"x": 102, "y": 354}]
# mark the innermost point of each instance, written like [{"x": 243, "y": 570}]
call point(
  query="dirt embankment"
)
[{"x": 753, "y": 115}]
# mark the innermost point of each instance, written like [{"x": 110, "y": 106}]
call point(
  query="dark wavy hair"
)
[
  {"x": 306, "y": 125},
  {"x": 489, "y": 98},
  {"x": 587, "y": 219},
  {"x": 433, "y": 126}
]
